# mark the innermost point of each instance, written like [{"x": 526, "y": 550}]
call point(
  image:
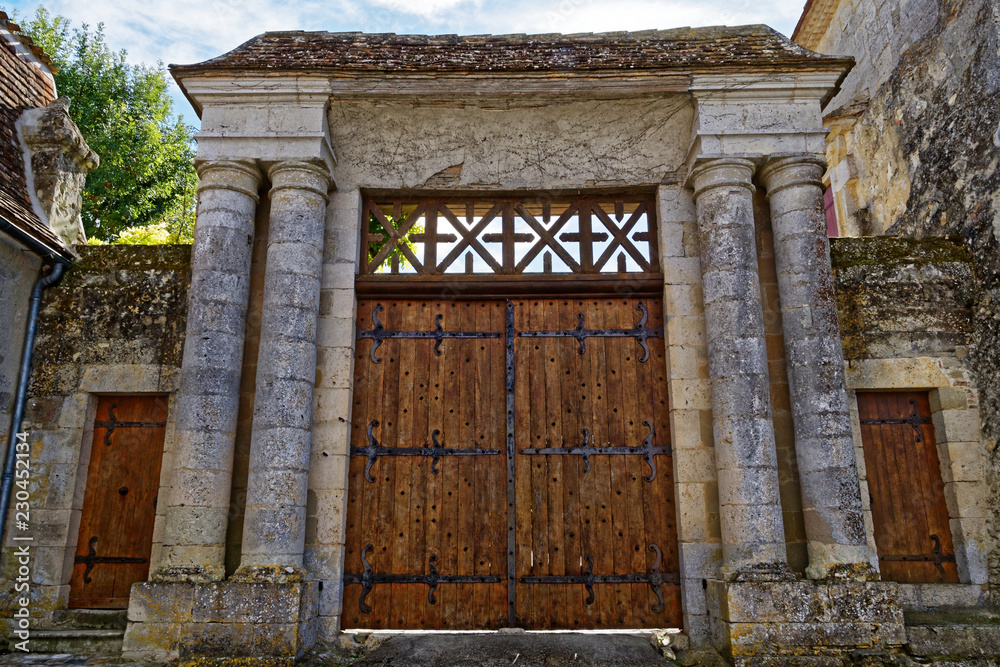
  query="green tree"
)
[{"x": 146, "y": 176}]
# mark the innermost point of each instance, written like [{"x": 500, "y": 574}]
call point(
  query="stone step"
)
[
  {"x": 954, "y": 633},
  {"x": 89, "y": 619},
  {"x": 522, "y": 650},
  {"x": 77, "y": 641}
]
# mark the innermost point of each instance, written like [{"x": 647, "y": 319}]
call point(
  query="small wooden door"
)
[
  {"x": 912, "y": 531},
  {"x": 116, "y": 527}
]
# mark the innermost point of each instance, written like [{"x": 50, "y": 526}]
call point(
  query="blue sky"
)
[{"x": 188, "y": 31}]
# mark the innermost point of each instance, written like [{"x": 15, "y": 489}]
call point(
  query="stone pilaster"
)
[
  {"x": 750, "y": 510},
  {"x": 824, "y": 446},
  {"x": 274, "y": 528},
  {"x": 198, "y": 504}
]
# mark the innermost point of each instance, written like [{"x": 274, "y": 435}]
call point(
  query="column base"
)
[
  {"x": 802, "y": 622},
  {"x": 221, "y": 623}
]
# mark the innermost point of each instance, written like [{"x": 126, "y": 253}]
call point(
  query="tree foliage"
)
[{"x": 125, "y": 114}]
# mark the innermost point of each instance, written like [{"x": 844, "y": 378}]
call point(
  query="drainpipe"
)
[{"x": 59, "y": 261}]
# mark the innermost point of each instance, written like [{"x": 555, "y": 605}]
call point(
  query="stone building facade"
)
[
  {"x": 316, "y": 156},
  {"x": 912, "y": 153}
]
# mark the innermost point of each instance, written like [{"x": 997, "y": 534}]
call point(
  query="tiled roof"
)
[
  {"x": 686, "y": 49},
  {"x": 22, "y": 85}
]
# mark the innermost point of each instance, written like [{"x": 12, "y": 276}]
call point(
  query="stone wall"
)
[
  {"x": 115, "y": 324},
  {"x": 903, "y": 297},
  {"x": 876, "y": 33},
  {"x": 925, "y": 154},
  {"x": 19, "y": 269},
  {"x": 906, "y": 317}
]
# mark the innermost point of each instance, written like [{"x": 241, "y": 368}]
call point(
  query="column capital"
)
[
  {"x": 239, "y": 175},
  {"x": 721, "y": 171},
  {"x": 300, "y": 175},
  {"x": 782, "y": 170}
]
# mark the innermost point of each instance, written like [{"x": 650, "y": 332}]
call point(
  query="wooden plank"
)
[
  {"x": 420, "y": 474},
  {"x": 395, "y": 428},
  {"x": 495, "y": 433},
  {"x": 613, "y": 506},
  {"x": 574, "y": 391},
  {"x": 635, "y": 467},
  {"x": 453, "y": 385},
  {"x": 480, "y": 320},
  {"x": 362, "y": 512},
  {"x": 531, "y": 430},
  {"x": 467, "y": 501}
]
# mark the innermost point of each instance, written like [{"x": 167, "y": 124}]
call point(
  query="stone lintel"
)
[
  {"x": 776, "y": 621},
  {"x": 221, "y": 623}
]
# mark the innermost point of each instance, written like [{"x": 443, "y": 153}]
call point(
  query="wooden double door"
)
[
  {"x": 510, "y": 466},
  {"x": 119, "y": 505}
]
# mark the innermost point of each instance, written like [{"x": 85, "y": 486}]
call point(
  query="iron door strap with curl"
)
[
  {"x": 369, "y": 578},
  {"x": 92, "y": 559},
  {"x": 112, "y": 423},
  {"x": 435, "y": 451},
  {"x": 379, "y": 333},
  {"x": 653, "y": 577},
  {"x": 640, "y": 333},
  {"x": 585, "y": 450}
]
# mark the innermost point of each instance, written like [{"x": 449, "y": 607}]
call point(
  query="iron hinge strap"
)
[
  {"x": 435, "y": 451},
  {"x": 369, "y": 578},
  {"x": 915, "y": 420},
  {"x": 646, "y": 450},
  {"x": 653, "y": 577},
  {"x": 640, "y": 333},
  {"x": 379, "y": 333},
  {"x": 92, "y": 559},
  {"x": 111, "y": 423},
  {"x": 937, "y": 557}
]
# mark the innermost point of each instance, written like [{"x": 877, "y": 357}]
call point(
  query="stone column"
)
[
  {"x": 753, "y": 540},
  {"x": 824, "y": 445},
  {"x": 197, "y": 508},
  {"x": 274, "y": 528}
]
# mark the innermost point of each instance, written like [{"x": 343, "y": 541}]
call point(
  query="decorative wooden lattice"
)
[{"x": 611, "y": 234}]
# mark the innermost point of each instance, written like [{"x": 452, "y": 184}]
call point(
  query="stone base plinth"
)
[
  {"x": 221, "y": 623},
  {"x": 801, "y": 622}
]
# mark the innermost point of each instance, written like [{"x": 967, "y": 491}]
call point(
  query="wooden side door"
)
[
  {"x": 116, "y": 526},
  {"x": 912, "y": 530}
]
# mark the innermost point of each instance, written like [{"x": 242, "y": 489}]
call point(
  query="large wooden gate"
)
[
  {"x": 119, "y": 505},
  {"x": 511, "y": 466}
]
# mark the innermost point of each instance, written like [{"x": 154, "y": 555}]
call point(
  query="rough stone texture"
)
[
  {"x": 933, "y": 125},
  {"x": 774, "y": 622},
  {"x": 824, "y": 445},
  {"x": 875, "y": 32},
  {"x": 274, "y": 528},
  {"x": 781, "y": 403},
  {"x": 114, "y": 324},
  {"x": 19, "y": 269},
  {"x": 905, "y": 315},
  {"x": 494, "y": 650},
  {"x": 60, "y": 162},
  {"x": 197, "y": 507},
  {"x": 753, "y": 542},
  {"x": 901, "y": 297},
  {"x": 272, "y": 624}
]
